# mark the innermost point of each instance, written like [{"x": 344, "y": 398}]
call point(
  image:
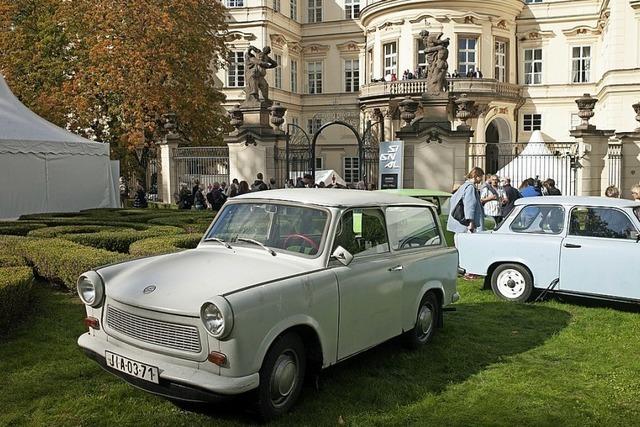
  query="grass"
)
[{"x": 494, "y": 363}]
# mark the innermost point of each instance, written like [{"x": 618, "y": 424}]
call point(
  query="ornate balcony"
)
[{"x": 480, "y": 90}]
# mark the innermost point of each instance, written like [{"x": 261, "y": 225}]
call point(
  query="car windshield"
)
[{"x": 295, "y": 229}]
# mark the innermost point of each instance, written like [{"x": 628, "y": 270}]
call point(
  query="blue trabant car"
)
[{"x": 584, "y": 246}]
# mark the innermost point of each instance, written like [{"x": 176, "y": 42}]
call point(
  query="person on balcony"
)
[{"x": 455, "y": 74}]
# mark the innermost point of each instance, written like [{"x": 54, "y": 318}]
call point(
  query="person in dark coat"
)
[
  {"x": 259, "y": 184},
  {"x": 140, "y": 199},
  {"x": 510, "y": 196},
  {"x": 216, "y": 197}
]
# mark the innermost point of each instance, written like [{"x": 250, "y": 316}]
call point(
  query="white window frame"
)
[
  {"x": 235, "y": 70},
  {"x": 581, "y": 64},
  {"x": 319, "y": 163},
  {"x": 314, "y": 77},
  {"x": 351, "y": 171},
  {"x": 501, "y": 58},
  {"x": 351, "y": 9},
  {"x": 313, "y": 125},
  {"x": 420, "y": 51},
  {"x": 314, "y": 11},
  {"x": 293, "y": 9},
  {"x": 277, "y": 75},
  {"x": 390, "y": 58},
  {"x": 351, "y": 69},
  {"x": 467, "y": 64},
  {"x": 370, "y": 62},
  {"x": 234, "y": 3},
  {"x": 531, "y": 76},
  {"x": 293, "y": 67},
  {"x": 531, "y": 122}
]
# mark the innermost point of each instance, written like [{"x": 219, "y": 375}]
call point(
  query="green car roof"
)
[{"x": 417, "y": 192}]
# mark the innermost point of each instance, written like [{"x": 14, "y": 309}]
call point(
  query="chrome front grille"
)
[{"x": 164, "y": 334}]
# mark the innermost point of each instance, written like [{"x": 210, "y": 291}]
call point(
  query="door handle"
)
[
  {"x": 396, "y": 268},
  {"x": 572, "y": 246}
]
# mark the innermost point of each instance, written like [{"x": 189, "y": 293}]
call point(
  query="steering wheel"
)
[{"x": 302, "y": 237}]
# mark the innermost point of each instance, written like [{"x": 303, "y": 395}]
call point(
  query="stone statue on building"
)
[
  {"x": 256, "y": 64},
  {"x": 437, "y": 53}
]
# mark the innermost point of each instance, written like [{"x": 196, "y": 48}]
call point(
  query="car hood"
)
[{"x": 185, "y": 280}]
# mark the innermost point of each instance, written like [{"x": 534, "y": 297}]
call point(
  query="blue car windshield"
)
[{"x": 297, "y": 229}]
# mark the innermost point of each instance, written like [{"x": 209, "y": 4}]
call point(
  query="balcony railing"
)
[{"x": 472, "y": 87}]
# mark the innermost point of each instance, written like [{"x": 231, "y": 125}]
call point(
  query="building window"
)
[
  {"x": 351, "y": 169},
  {"x": 235, "y": 73},
  {"x": 501, "y": 49},
  {"x": 293, "y": 9},
  {"x": 235, "y": 3},
  {"x": 319, "y": 163},
  {"x": 370, "y": 62},
  {"x": 294, "y": 76},
  {"x": 314, "y": 76},
  {"x": 533, "y": 1},
  {"x": 390, "y": 58},
  {"x": 351, "y": 9},
  {"x": 314, "y": 10},
  {"x": 278, "y": 71},
  {"x": 580, "y": 64},
  {"x": 313, "y": 125},
  {"x": 532, "y": 66},
  {"x": 351, "y": 75},
  {"x": 532, "y": 122},
  {"x": 276, "y": 5},
  {"x": 421, "y": 60},
  {"x": 467, "y": 55}
]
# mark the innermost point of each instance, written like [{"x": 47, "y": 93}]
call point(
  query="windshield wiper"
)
[
  {"x": 255, "y": 242},
  {"x": 215, "y": 239}
]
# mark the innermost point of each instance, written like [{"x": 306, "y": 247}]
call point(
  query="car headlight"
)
[
  {"x": 91, "y": 288},
  {"x": 217, "y": 317}
]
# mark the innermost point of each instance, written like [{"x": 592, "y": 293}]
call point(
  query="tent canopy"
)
[{"x": 44, "y": 168}]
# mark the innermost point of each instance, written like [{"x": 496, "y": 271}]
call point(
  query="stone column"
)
[
  {"x": 630, "y": 157},
  {"x": 168, "y": 185},
  {"x": 593, "y": 145}
]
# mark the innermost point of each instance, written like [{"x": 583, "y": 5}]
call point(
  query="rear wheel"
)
[
  {"x": 281, "y": 376},
  {"x": 426, "y": 322},
  {"x": 512, "y": 282}
]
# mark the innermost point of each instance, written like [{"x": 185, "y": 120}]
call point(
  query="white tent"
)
[
  {"x": 536, "y": 160},
  {"x": 44, "y": 168},
  {"x": 329, "y": 176}
]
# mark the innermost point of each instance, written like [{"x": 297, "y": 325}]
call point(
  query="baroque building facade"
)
[{"x": 523, "y": 63}]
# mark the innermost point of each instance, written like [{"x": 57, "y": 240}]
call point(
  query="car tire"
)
[
  {"x": 281, "y": 376},
  {"x": 426, "y": 322},
  {"x": 512, "y": 282}
]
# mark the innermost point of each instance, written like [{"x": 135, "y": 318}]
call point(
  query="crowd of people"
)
[{"x": 421, "y": 73}]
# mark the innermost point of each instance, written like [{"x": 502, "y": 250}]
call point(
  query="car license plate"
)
[{"x": 132, "y": 367}]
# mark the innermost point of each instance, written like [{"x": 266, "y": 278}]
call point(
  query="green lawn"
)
[{"x": 494, "y": 363}]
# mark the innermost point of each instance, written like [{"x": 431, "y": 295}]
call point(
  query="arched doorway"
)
[{"x": 496, "y": 132}]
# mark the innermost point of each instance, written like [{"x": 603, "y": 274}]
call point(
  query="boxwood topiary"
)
[
  {"x": 15, "y": 294},
  {"x": 163, "y": 245},
  {"x": 119, "y": 241},
  {"x": 12, "y": 261},
  {"x": 19, "y": 228},
  {"x": 61, "y": 261},
  {"x": 75, "y": 229}
]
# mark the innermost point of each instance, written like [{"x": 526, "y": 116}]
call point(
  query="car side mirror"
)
[
  {"x": 342, "y": 255},
  {"x": 634, "y": 235}
]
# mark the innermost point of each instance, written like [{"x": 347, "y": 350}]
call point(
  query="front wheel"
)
[
  {"x": 281, "y": 376},
  {"x": 426, "y": 322},
  {"x": 512, "y": 282}
]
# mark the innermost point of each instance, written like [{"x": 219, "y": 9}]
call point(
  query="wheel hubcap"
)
[
  {"x": 511, "y": 283},
  {"x": 284, "y": 377},
  {"x": 425, "y": 321}
]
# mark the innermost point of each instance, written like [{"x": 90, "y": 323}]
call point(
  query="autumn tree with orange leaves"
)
[{"x": 110, "y": 69}]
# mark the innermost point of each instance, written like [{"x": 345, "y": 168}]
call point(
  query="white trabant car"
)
[
  {"x": 584, "y": 246},
  {"x": 283, "y": 282}
]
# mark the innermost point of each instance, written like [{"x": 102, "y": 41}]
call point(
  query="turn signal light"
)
[
  {"x": 92, "y": 322},
  {"x": 218, "y": 358}
]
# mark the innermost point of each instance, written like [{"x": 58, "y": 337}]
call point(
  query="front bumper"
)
[{"x": 177, "y": 381}]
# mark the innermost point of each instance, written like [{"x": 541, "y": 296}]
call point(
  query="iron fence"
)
[
  {"x": 556, "y": 160},
  {"x": 204, "y": 164},
  {"x": 614, "y": 159}
]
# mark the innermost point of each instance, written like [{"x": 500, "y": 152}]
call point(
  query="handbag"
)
[{"x": 458, "y": 212}]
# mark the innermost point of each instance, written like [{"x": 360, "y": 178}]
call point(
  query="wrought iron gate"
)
[
  {"x": 204, "y": 164},
  {"x": 294, "y": 160}
]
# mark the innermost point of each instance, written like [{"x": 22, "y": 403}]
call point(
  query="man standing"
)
[
  {"x": 550, "y": 188},
  {"x": 529, "y": 189},
  {"x": 491, "y": 197},
  {"x": 259, "y": 184},
  {"x": 216, "y": 197},
  {"x": 510, "y": 196}
]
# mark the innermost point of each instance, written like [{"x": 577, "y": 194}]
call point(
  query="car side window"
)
[
  {"x": 362, "y": 232},
  {"x": 601, "y": 222},
  {"x": 412, "y": 227},
  {"x": 539, "y": 219}
]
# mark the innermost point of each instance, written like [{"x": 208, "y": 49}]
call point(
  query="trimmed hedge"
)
[
  {"x": 74, "y": 229},
  {"x": 9, "y": 244},
  {"x": 15, "y": 294},
  {"x": 119, "y": 241},
  {"x": 19, "y": 228},
  {"x": 164, "y": 245},
  {"x": 61, "y": 261},
  {"x": 12, "y": 261},
  {"x": 190, "y": 223}
]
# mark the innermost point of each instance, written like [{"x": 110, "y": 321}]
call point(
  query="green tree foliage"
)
[{"x": 110, "y": 69}]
